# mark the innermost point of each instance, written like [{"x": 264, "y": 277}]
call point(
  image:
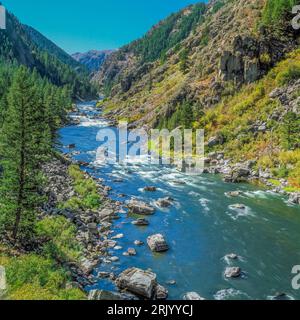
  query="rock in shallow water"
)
[
  {"x": 141, "y": 222},
  {"x": 295, "y": 198},
  {"x": 150, "y": 189},
  {"x": 164, "y": 202},
  {"x": 234, "y": 272},
  {"x": 138, "y": 281},
  {"x": 139, "y": 207},
  {"x": 157, "y": 243},
  {"x": 161, "y": 293}
]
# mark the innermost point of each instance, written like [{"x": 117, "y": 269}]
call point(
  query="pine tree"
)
[{"x": 22, "y": 149}]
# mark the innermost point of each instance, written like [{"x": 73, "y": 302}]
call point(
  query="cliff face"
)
[{"x": 223, "y": 46}]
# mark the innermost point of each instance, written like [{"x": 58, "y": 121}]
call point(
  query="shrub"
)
[
  {"x": 291, "y": 73},
  {"x": 32, "y": 277},
  {"x": 88, "y": 197},
  {"x": 60, "y": 234}
]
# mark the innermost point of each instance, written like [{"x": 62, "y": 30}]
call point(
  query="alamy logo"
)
[
  {"x": 182, "y": 148},
  {"x": 2, "y": 278},
  {"x": 2, "y": 17},
  {"x": 296, "y": 279},
  {"x": 296, "y": 19}
]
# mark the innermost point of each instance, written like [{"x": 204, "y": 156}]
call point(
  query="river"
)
[{"x": 200, "y": 227}]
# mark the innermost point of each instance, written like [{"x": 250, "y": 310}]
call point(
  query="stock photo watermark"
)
[
  {"x": 2, "y": 18},
  {"x": 181, "y": 148},
  {"x": 296, "y": 19},
  {"x": 2, "y": 279},
  {"x": 296, "y": 278}
]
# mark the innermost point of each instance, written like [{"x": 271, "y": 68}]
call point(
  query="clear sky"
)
[{"x": 81, "y": 25}]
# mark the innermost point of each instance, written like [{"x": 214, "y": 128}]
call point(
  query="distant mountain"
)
[
  {"x": 92, "y": 59},
  {"x": 22, "y": 44}
]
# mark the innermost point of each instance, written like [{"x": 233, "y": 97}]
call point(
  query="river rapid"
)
[{"x": 200, "y": 227}]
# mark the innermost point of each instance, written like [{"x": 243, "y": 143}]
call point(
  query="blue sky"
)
[{"x": 81, "y": 25}]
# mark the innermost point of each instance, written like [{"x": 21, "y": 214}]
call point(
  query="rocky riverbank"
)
[
  {"x": 216, "y": 163},
  {"x": 96, "y": 237}
]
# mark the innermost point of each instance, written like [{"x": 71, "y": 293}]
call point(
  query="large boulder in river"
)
[
  {"x": 140, "y": 282},
  {"x": 157, "y": 243},
  {"x": 233, "y": 272},
  {"x": 139, "y": 207},
  {"x": 295, "y": 198}
]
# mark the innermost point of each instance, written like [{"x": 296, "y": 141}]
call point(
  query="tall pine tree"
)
[{"x": 23, "y": 141}]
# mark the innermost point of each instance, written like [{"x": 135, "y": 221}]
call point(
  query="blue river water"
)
[{"x": 201, "y": 228}]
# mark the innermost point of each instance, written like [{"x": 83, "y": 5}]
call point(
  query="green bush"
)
[
  {"x": 289, "y": 74},
  {"x": 60, "y": 233},
  {"x": 274, "y": 10},
  {"x": 88, "y": 197},
  {"x": 32, "y": 277}
]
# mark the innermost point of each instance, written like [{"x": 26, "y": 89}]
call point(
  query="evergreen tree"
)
[{"x": 22, "y": 144}]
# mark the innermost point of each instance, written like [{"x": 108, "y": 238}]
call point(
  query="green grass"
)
[
  {"x": 87, "y": 197},
  {"x": 33, "y": 277},
  {"x": 60, "y": 239}
]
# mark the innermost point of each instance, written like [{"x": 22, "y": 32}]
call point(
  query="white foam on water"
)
[
  {"x": 204, "y": 203},
  {"x": 227, "y": 294},
  {"x": 257, "y": 194},
  {"x": 87, "y": 122},
  {"x": 236, "y": 213}
]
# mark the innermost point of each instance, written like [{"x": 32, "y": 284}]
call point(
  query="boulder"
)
[
  {"x": 157, "y": 243},
  {"x": 132, "y": 252},
  {"x": 141, "y": 222},
  {"x": 192, "y": 296},
  {"x": 118, "y": 236},
  {"x": 104, "y": 295},
  {"x": 150, "y": 189},
  {"x": 138, "y": 281},
  {"x": 295, "y": 198},
  {"x": 139, "y": 207},
  {"x": 234, "y": 272},
  {"x": 161, "y": 293},
  {"x": 87, "y": 266},
  {"x": 138, "y": 243},
  {"x": 233, "y": 193},
  {"x": 106, "y": 213},
  {"x": 164, "y": 202}
]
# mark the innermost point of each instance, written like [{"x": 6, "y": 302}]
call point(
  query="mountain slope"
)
[
  {"x": 225, "y": 47},
  {"x": 23, "y": 45},
  {"x": 236, "y": 74},
  {"x": 46, "y": 45},
  {"x": 92, "y": 59}
]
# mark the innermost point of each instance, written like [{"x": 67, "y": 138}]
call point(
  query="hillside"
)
[
  {"x": 23, "y": 45},
  {"x": 210, "y": 77},
  {"x": 47, "y": 45},
  {"x": 92, "y": 59}
]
